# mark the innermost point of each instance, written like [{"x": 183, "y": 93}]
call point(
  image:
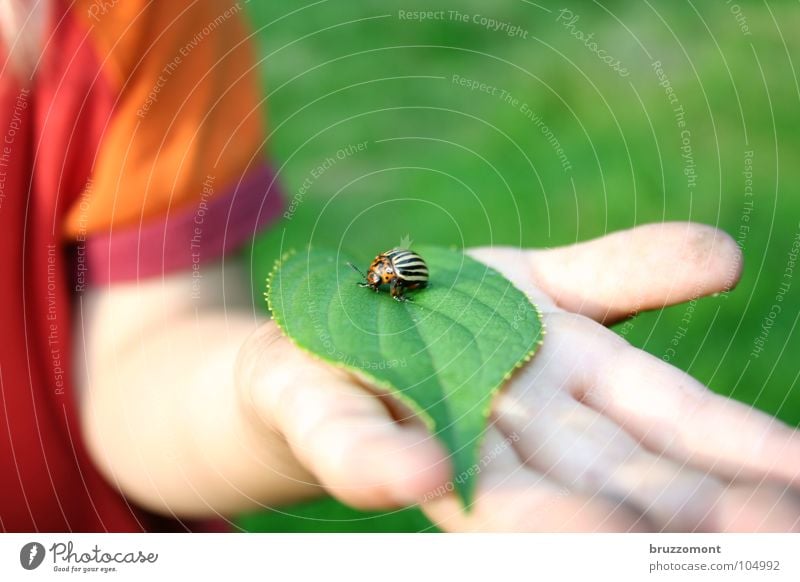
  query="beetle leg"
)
[
  {"x": 400, "y": 297},
  {"x": 397, "y": 291}
]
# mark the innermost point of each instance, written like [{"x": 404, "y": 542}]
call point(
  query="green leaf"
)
[
  {"x": 330, "y": 515},
  {"x": 444, "y": 353}
]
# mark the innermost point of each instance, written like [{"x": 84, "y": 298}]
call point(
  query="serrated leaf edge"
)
[{"x": 394, "y": 391}]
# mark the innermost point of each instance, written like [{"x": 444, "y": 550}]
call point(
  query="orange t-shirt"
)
[{"x": 134, "y": 150}]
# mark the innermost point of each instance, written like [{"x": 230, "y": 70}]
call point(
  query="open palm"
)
[{"x": 594, "y": 434}]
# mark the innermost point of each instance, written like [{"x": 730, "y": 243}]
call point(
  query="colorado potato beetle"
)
[{"x": 401, "y": 269}]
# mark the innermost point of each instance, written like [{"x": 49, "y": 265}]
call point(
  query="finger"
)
[
  {"x": 511, "y": 497},
  {"x": 647, "y": 267},
  {"x": 345, "y": 436},
  {"x": 676, "y": 414},
  {"x": 665, "y": 408},
  {"x": 583, "y": 450}
]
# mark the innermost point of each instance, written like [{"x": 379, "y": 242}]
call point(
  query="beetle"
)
[{"x": 403, "y": 270}]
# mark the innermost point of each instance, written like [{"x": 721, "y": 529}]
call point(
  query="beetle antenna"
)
[{"x": 357, "y": 270}]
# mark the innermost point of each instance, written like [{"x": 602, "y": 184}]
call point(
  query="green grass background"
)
[{"x": 447, "y": 165}]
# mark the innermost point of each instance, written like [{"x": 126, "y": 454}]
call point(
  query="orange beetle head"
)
[{"x": 380, "y": 271}]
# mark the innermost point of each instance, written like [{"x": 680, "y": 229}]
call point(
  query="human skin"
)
[{"x": 197, "y": 408}]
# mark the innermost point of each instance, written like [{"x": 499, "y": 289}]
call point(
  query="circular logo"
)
[{"x": 31, "y": 555}]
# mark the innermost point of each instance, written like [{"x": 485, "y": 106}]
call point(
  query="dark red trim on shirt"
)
[{"x": 182, "y": 240}]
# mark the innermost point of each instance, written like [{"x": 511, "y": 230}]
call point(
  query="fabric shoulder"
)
[{"x": 187, "y": 111}]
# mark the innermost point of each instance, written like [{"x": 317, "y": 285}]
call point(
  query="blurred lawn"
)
[{"x": 449, "y": 165}]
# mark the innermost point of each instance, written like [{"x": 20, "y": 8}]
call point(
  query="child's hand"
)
[
  {"x": 602, "y": 436},
  {"x": 608, "y": 437}
]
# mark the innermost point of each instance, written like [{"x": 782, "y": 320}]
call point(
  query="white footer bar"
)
[{"x": 400, "y": 557}]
